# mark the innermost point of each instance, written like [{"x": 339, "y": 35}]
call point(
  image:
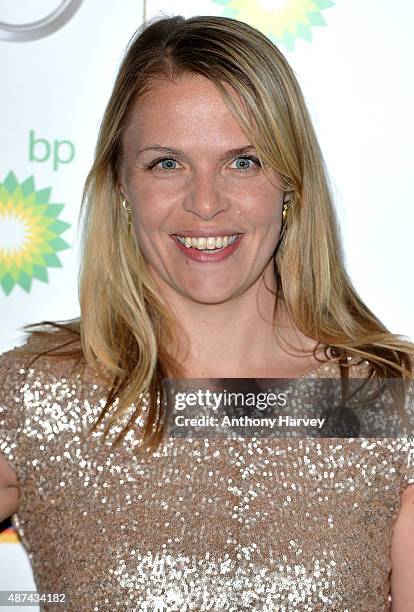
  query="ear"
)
[
  {"x": 287, "y": 196},
  {"x": 122, "y": 183},
  {"x": 122, "y": 192}
]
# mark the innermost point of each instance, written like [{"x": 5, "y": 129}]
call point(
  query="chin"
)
[{"x": 201, "y": 297}]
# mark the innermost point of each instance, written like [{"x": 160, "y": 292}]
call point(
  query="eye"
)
[
  {"x": 165, "y": 163},
  {"x": 168, "y": 164},
  {"x": 246, "y": 162}
]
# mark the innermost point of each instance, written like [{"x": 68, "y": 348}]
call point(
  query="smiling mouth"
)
[
  {"x": 207, "y": 249},
  {"x": 207, "y": 243}
]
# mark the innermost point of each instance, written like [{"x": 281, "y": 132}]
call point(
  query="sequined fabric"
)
[{"x": 248, "y": 524}]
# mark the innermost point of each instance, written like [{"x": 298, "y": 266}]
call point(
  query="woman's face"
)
[{"x": 190, "y": 174}]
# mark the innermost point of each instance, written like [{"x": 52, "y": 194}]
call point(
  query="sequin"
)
[{"x": 265, "y": 524}]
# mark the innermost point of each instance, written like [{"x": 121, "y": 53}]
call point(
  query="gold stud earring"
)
[
  {"x": 284, "y": 211},
  {"x": 129, "y": 216}
]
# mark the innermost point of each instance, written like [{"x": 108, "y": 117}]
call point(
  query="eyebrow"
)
[{"x": 173, "y": 151}]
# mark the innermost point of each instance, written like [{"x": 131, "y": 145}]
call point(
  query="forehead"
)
[{"x": 187, "y": 109}]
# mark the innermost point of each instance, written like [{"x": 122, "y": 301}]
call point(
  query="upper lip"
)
[{"x": 207, "y": 232}]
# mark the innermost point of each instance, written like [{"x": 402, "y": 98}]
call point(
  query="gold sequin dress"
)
[{"x": 265, "y": 524}]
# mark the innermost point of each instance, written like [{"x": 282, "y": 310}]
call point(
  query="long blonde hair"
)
[{"x": 125, "y": 325}]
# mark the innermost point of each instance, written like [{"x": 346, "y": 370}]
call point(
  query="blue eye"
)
[
  {"x": 246, "y": 162},
  {"x": 243, "y": 163},
  {"x": 166, "y": 164}
]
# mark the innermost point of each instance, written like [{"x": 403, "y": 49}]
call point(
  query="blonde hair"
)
[{"x": 125, "y": 325}]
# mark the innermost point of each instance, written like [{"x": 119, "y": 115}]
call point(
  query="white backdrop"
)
[{"x": 354, "y": 71}]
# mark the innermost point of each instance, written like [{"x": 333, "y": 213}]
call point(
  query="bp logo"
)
[
  {"x": 30, "y": 233},
  {"x": 281, "y": 20}
]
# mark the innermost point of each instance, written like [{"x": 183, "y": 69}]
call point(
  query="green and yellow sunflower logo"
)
[
  {"x": 29, "y": 233},
  {"x": 283, "y": 21}
]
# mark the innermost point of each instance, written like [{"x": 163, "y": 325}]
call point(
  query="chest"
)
[{"x": 307, "y": 519}]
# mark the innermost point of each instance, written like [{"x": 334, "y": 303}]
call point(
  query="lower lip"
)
[{"x": 196, "y": 255}]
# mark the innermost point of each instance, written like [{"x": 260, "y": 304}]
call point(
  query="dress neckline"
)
[{"x": 328, "y": 362}]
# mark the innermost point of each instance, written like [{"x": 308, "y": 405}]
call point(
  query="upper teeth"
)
[{"x": 212, "y": 242}]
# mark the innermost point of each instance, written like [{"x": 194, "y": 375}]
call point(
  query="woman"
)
[{"x": 210, "y": 249}]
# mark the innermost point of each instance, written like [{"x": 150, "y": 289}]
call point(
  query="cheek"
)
[
  {"x": 262, "y": 207},
  {"x": 146, "y": 232},
  {"x": 152, "y": 205},
  {"x": 149, "y": 212},
  {"x": 146, "y": 218}
]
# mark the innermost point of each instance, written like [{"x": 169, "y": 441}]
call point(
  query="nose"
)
[{"x": 205, "y": 198}]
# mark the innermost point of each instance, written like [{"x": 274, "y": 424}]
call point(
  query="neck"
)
[{"x": 238, "y": 338}]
